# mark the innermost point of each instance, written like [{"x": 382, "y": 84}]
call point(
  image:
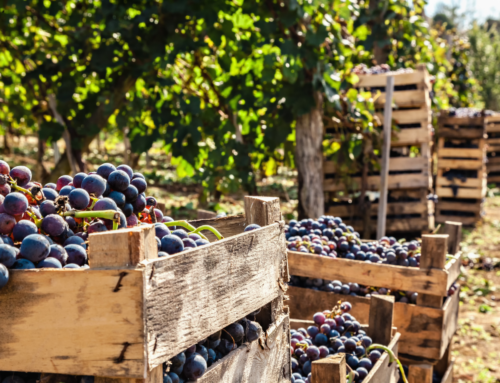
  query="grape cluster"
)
[
  {"x": 467, "y": 112},
  {"x": 329, "y": 237},
  {"x": 48, "y": 226},
  {"x": 191, "y": 364},
  {"x": 333, "y": 332}
]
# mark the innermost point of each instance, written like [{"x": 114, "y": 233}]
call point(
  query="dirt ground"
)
[{"x": 476, "y": 347}]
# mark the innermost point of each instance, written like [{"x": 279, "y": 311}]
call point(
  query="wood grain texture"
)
[
  {"x": 262, "y": 210},
  {"x": 122, "y": 248},
  {"x": 395, "y": 164},
  {"x": 380, "y": 320},
  {"x": 266, "y": 361},
  {"x": 196, "y": 293},
  {"x": 454, "y": 232},
  {"x": 442, "y": 366},
  {"x": 467, "y": 221},
  {"x": 433, "y": 256},
  {"x": 470, "y": 164},
  {"x": 420, "y": 373},
  {"x": 331, "y": 369},
  {"x": 431, "y": 281},
  {"x": 396, "y": 181},
  {"x": 379, "y": 80},
  {"x": 80, "y": 322},
  {"x": 453, "y": 268}
]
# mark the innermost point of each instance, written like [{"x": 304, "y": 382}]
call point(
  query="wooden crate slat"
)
[
  {"x": 461, "y": 192},
  {"x": 460, "y": 153},
  {"x": 227, "y": 226},
  {"x": 410, "y": 116},
  {"x": 405, "y": 98},
  {"x": 395, "y": 164},
  {"x": 469, "y": 182},
  {"x": 254, "y": 363},
  {"x": 412, "y": 136},
  {"x": 493, "y": 160},
  {"x": 493, "y": 179},
  {"x": 431, "y": 281},
  {"x": 396, "y": 181},
  {"x": 459, "y": 206},
  {"x": 418, "y": 207},
  {"x": 472, "y": 164},
  {"x": 205, "y": 289},
  {"x": 492, "y": 167},
  {"x": 380, "y": 80},
  {"x": 72, "y": 322}
]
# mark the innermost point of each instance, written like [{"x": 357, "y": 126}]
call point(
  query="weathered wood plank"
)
[
  {"x": 262, "y": 210},
  {"x": 460, "y": 206},
  {"x": 430, "y": 281},
  {"x": 405, "y": 99},
  {"x": 433, "y": 256},
  {"x": 379, "y": 80},
  {"x": 454, "y": 231},
  {"x": 332, "y": 369},
  {"x": 73, "y": 322},
  {"x": 122, "y": 248},
  {"x": 453, "y": 268},
  {"x": 395, "y": 164},
  {"x": 196, "y": 293},
  {"x": 460, "y": 153},
  {"x": 441, "y": 218},
  {"x": 447, "y": 192},
  {"x": 450, "y": 321},
  {"x": 266, "y": 361},
  {"x": 396, "y": 181},
  {"x": 380, "y": 321},
  {"x": 470, "y": 164}
]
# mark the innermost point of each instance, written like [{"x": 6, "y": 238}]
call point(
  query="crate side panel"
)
[
  {"x": 73, "y": 322},
  {"x": 194, "y": 294}
]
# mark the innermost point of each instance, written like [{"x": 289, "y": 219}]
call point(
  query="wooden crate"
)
[
  {"x": 412, "y": 112},
  {"x": 466, "y": 211},
  {"x": 425, "y": 337},
  {"x": 493, "y": 148},
  {"x": 407, "y": 173},
  {"x": 402, "y": 216},
  {"x": 133, "y": 311},
  {"x": 379, "y": 328}
]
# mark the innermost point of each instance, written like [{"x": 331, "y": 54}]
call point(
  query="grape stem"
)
[
  {"x": 194, "y": 230},
  {"x": 15, "y": 186},
  {"x": 102, "y": 214},
  {"x": 392, "y": 358}
]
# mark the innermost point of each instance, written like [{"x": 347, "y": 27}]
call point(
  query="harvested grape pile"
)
[
  {"x": 330, "y": 237},
  {"x": 191, "y": 364},
  {"x": 48, "y": 226},
  {"x": 333, "y": 332},
  {"x": 467, "y": 112},
  {"x": 378, "y": 69}
]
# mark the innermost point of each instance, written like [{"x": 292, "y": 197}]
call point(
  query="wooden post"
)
[
  {"x": 262, "y": 210},
  {"x": 434, "y": 250},
  {"x": 420, "y": 373},
  {"x": 125, "y": 248},
  {"x": 380, "y": 321},
  {"x": 265, "y": 211},
  {"x": 331, "y": 369},
  {"x": 454, "y": 231},
  {"x": 386, "y": 151}
]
